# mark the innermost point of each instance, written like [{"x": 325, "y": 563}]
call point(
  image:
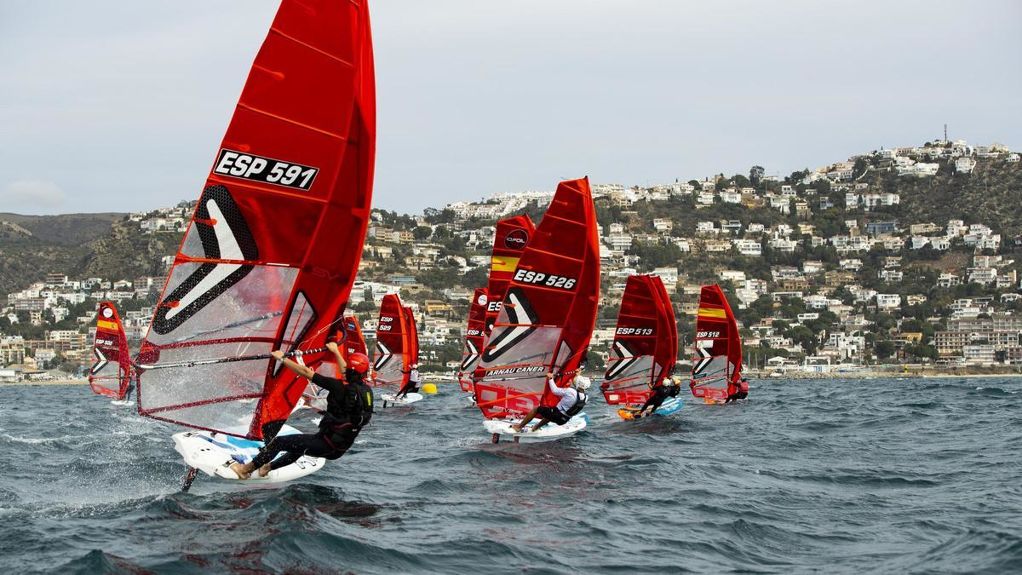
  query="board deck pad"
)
[
  {"x": 212, "y": 453},
  {"x": 669, "y": 406},
  {"x": 390, "y": 399},
  {"x": 549, "y": 432}
]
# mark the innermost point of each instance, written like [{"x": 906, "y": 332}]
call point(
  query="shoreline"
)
[{"x": 47, "y": 382}]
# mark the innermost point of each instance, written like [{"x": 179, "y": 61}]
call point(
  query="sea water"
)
[{"x": 834, "y": 476}]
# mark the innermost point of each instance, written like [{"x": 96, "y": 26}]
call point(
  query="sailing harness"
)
[
  {"x": 345, "y": 418},
  {"x": 580, "y": 403}
]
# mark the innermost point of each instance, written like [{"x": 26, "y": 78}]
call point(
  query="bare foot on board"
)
[{"x": 244, "y": 470}]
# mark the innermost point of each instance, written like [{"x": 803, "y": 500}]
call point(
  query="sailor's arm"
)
[
  {"x": 300, "y": 369},
  {"x": 558, "y": 391},
  {"x": 341, "y": 363}
]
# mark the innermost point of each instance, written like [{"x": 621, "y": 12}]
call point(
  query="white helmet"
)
[{"x": 581, "y": 382}]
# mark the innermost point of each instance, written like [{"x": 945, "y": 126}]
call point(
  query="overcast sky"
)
[{"x": 121, "y": 105}]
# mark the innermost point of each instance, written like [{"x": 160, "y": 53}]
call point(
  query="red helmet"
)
[{"x": 359, "y": 362}]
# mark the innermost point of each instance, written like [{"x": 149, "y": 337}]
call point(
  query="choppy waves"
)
[{"x": 839, "y": 476}]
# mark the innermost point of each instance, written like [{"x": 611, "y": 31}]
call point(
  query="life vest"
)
[
  {"x": 354, "y": 408},
  {"x": 580, "y": 403}
]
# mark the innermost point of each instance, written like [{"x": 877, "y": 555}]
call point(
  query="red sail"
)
[
  {"x": 549, "y": 310},
  {"x": 350, "y": 341},
  {"x": 412, "y": 329},
  {"x": 667, "y": 309},
  {"x": 475, "y": 338},
  {"x": 111, "y": 371},
  {"x": 274, "y": 243},
  {"x": 718, "y": 345},
  {"x": 511, "y": 237},
  {"x": 645, "y": 342},
  {"x": 391, "y": 360},
  {"x": 354, "y": 342}
]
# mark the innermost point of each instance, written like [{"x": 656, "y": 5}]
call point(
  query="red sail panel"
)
[
  {"x": 549, "y": 310},
  {"x": 350, "y": 341},
  {"x": 390, "y": 362},
  {"x": 273, "y": 246},
  {"x": 511, "y": 236},
  {"x": 354, "y": 342},
  {"x": 718, "y": 345},
  {"x": 475, "y": 338},
  {"x": 412, "y": 331},
  {"x": 111, "y": 371},
  {"x": 667, "y": 350},
  {"x": 644, "y": 351}
]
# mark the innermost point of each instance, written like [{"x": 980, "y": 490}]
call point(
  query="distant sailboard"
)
[
  {"x": 718, "y": 361},
  {"x": 397, "y": 349},
  {"x": 111, "y": 373},
  {"x": 475, "y": 338},
  {"x": 546, "y": 318},
  {"x": 645, "y": 347}
]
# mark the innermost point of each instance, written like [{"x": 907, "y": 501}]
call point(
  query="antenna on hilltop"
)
[{"x": 945, "y": 133}]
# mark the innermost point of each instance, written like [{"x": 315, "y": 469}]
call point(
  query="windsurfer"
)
[
  {"x": 573, "y": 399},
  {"x": 349, "y": 408},
  {"x": 739, "y": 390},
  {"x": 413, "y": 382},
  {"x": 668, "y": 388}
]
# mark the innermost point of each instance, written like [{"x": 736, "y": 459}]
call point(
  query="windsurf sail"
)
[
  {"x": 548, "y": 311},
  {"x": 111, "y": 370},
  {"x": 474, "y": 338},
  {"x": 412, "y": 329},
  {"x": 718, "y": 345},
  {"x": 509, "y": 241},
  {"x": 353, "y": 341},
  {"x": 349, "y": 341},
  {"x": 392, "y": 358},
  {"x": 273, "y": 246},
  {"x": 645, "y": 346}
]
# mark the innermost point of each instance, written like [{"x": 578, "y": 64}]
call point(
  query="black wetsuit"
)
[
  {"x": 349, "y": 407},
  {"x": 411, "y": 387},
  {"x": 738, "y": 394},
  {"x": 660, "y": 394}
]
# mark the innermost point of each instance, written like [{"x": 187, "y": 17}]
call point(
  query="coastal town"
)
[{"x": 827, "y": 272}]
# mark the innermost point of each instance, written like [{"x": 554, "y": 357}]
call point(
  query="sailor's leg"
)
[
  {"x": 528, "y": 418},
  {"x": 541, "y": 423},
  {"x": 313, "y": 446},
  {"x": 269, "y": 452}
]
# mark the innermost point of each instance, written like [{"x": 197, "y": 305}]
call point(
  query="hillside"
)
[
  {"x": 991, "y": 194},
  {"x": 79, "y": 245},
  {"x": 66, "y": 229}
]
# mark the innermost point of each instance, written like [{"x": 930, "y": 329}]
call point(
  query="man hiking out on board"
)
[
  {"x": 669, "y": 388},
  {"x": 573, "y": 399},
  {"x": 737, "y": 391},
  {"x": 413, "y": 382},
  {"x": 349, "y": 404}
]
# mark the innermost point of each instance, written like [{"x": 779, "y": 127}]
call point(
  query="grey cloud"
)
[{"x": 124, "y": 103}]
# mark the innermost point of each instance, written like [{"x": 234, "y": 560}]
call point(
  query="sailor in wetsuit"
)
[
  {"x": 413, "y": 382},
  {"x": 349, "y": 408},
  {"x": 738, "y": 391},
  {"x": 668, "y": 388},
  {"x": 573, "y": 399}
]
